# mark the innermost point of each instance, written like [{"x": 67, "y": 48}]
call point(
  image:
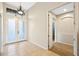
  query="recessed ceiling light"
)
[{"x": 65, "y": 9}]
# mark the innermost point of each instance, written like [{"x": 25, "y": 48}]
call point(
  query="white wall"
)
[
  {"x": 64, "y": 28},
  {"x": 38, "y": 23}
]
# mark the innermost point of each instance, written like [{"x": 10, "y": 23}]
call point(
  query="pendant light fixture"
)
[{"x": 20, "y": 11}]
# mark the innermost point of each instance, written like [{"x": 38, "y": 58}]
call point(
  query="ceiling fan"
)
[{"x": 20, "y": 11}]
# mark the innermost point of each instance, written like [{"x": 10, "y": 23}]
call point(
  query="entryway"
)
[{"x": 15, "y": 28}]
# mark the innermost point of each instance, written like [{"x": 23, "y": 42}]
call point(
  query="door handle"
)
[{"x": 18, "y": 32}]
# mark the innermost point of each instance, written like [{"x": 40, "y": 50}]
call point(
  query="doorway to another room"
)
[{"x": 61, "y": 29}]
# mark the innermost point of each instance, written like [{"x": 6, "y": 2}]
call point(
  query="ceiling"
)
[
  {"x": 25, "y": 5},
  {"x": 63, "y": 9}
]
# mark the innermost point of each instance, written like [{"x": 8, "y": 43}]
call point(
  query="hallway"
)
[{"x": 26, "y": 49}]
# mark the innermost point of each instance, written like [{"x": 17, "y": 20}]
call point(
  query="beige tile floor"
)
[{"x": 26, "y": 49}]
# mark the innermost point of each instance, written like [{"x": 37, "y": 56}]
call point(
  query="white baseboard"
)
[
  {"x": 38, "y": 45},
  {"x": 65, "y": 43}
]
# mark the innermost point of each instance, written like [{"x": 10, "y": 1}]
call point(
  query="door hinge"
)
[{"x": 48, "y": 35}]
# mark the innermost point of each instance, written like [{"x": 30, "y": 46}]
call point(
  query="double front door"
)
[{"x": 15, "y": 28}]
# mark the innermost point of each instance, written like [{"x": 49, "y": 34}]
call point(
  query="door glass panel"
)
[
  {"x": 11, "y": 30},
  {"x": 21, "y": 29}
]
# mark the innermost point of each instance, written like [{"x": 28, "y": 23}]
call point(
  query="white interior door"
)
[{"x": 50, "y": 27}]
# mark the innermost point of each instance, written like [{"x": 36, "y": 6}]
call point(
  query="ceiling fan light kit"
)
[{"x": 20, "y": 11}]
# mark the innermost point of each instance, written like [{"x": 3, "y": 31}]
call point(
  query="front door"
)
[{"x": 15, "y": 28}]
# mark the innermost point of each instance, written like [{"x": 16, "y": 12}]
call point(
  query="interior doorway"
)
[{"x": 61, "y": 29}]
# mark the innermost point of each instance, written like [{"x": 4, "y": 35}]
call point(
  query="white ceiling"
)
[
  {"x": 60, "y": 10},
  {"x": 25, "y": 5}
]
